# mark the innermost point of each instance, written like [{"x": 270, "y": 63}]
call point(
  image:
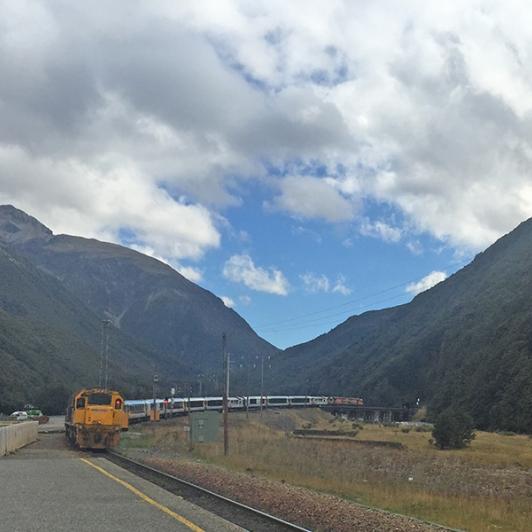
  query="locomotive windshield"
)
[{"x": 99, "y": 399}]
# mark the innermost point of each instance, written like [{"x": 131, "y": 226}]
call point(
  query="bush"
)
[
  {"x": 453, "y": 429},
  {"x": 506, "y": 433},
  {"x": 53, "y": 399}
]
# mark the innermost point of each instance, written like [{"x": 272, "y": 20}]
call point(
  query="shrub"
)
[
  {"x": 406, "y": 430},
  {"x": 453, "y": 429},
  {"x": 506, "y": 433},
  {"x": 424, "y": 428}
]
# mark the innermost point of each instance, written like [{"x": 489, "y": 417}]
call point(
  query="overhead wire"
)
[
  {"x": 324, "y": 319},
  {"x": 333, "y": 307},
  {"x": 300, "y": 321}
]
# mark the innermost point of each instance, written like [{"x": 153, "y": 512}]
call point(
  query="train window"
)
[
  {"x": 80, "y": 402},
  {"x": 100, "y": 399},
  {"x": 118, "y": 404},
  {"x": 277, "y": 400},
  {"x": 214, "y": 402}
]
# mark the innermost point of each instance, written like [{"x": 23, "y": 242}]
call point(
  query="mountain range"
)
[
  {"x": 466, "y": 343},
  {"x": 160, "y": 321}
]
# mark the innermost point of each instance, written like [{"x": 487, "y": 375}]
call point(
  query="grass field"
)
[{"x": 485, "y": 487}]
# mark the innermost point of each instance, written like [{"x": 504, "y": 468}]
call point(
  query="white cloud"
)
[
  {"x": 430, "y": 280},
  {"x": 73, "y": 198},
  {"x": 321, "y": 283},
  {"x": 382, "y": 230},
  {"x": 192, "y": 274},
  {"x": 426, "y": 109},
  {"x": 437, "y": 100},
  {"x": 245, "y": 300},
  {"x": 311, "y": 197},
  {"x": 228, "y": 302},
  {"x": 415, "y": 247},
  {"x": 241, "y": 269},
  {"x": 340, "y": 286},
  {"x": 316, "y": 283}
]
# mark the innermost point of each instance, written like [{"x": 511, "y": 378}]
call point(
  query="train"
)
[
  {"x": 150, "y": 410},
  {"x": 346, "y": 401},
  {"x": 96, "y": 417}
]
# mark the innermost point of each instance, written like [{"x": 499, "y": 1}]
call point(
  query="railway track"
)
[{"x": 244, "y": 516}]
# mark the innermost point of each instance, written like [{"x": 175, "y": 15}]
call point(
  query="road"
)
[
  {"x": 49, "y": 487},
  {"x": 55, "y": 424}
]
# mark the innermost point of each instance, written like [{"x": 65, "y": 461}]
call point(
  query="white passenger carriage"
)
[
  {"x": 277, "y": 400},
  {"x": 143, "y": 409}
]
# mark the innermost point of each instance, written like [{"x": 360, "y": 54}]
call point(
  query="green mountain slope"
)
[
  {"x": 466, "y": 341},
  {"x": 50, "y": 342},
  {"x": 144, "y": 298}
]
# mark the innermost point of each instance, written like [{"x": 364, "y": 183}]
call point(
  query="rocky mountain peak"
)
[{"x": 17, "y": 227}]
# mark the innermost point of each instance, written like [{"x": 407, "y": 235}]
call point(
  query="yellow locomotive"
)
[{"x": 94, "y": 419}]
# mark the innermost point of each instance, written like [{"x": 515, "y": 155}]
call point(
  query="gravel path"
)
[{"x": 313, "y": 510}]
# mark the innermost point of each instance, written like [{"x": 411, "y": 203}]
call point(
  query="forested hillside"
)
[
  {"x": 466, "y": 341},
  {"x": 143, "y": 297},
  {"x": 54, "y": 293},
  {"x": 50, "y": 342}
]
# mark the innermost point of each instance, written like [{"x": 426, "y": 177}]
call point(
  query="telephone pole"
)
[
  {"x": 106, "y": 325},
  {"x": 226, "y": 394},
  {"x": 261, "y": 381},
  {"x": 104, "y": 356},
  {"x": 247, "y": 389},
  {"x": 155, "y": 381}
]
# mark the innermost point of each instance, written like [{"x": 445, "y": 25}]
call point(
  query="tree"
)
[
  {"x": 453, "y": 429},
  {"x": 53, "y": 399}
]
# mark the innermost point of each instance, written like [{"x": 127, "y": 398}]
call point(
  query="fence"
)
[{"x": 17, "y": 435}]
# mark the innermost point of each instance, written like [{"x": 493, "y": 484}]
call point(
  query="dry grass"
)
[{"x": 485, "y": 487}]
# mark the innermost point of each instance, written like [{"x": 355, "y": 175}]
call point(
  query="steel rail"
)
[{"x": 231, "y": 510}]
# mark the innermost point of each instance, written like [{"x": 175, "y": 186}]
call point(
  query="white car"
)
[{"x": 19, "y": 415}]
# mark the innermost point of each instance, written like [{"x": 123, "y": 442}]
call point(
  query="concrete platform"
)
[
  {"x": 55, "y": 424},
  {"x": 49, "y": 487}
]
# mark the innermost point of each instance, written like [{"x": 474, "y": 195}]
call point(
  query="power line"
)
[
  {"x": 328, "y": 319},
  {"x": 333, "y": 307}
]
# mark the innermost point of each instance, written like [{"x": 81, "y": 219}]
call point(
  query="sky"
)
[{"x": 303, "y": 160}]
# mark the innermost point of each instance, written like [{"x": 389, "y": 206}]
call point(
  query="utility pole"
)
[
  {"x": 155, "y": 381},
  {"x": 226, "y": 394},
  {"x": 106, "y": 324},
  {"x": 190, "y": 444},
  {"x": 261, "y": 381},
  {"x": 103, "y": 353},
  {"x": 247, "y": 390}
]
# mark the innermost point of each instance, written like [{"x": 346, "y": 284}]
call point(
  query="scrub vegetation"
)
[{"x": 484, "y": 486}]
